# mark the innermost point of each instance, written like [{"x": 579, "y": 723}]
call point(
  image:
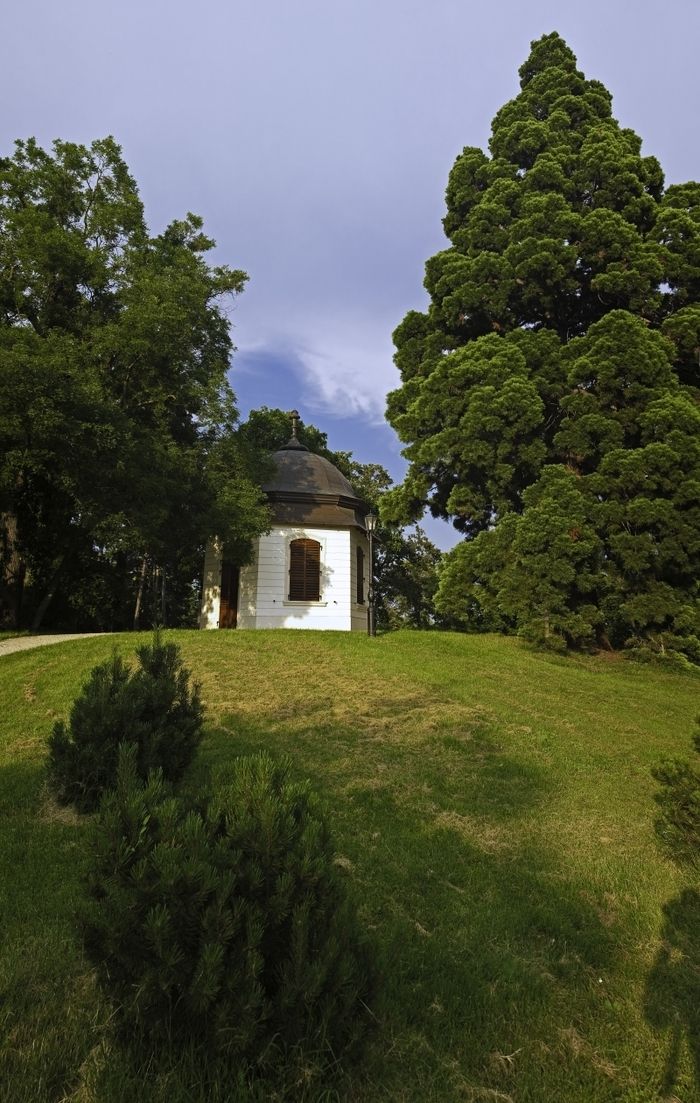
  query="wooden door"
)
[{"x": 228, "y": 613}]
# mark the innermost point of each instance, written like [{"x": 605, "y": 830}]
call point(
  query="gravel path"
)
[{"x": 24, "y": 643}]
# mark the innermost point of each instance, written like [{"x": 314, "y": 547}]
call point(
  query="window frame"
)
[
  {"x": 292, "y": 597},
  {"x": 359, "y": 575}
]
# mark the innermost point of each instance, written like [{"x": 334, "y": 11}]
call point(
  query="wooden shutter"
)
[
  {"x": 360, "y": 570},
  {"x": 304, "y": 570}
]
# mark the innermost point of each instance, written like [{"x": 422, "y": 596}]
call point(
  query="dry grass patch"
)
[
  {"x": 583, "y": 1050},
  {"x": 50, "y": 811},
  {"x": 485, "y": 836}
]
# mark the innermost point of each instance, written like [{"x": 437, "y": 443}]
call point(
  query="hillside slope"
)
[{"x": 493, "y": 810}]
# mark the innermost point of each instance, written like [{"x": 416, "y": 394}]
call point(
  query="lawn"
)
[{"x": 493, "y": 811}]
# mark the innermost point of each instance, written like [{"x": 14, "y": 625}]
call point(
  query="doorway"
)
[{"x": 228, "y": 612}]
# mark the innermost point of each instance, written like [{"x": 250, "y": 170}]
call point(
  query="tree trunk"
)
[
  {"x": 139, "y": 595},
  {"x": 603, "y": 640},
  {"x": 13, "y": 573},
  {"x": 162, "y": 597},
  {"x": 159, "y": 597},
  {"x": 48, "y": 597}
]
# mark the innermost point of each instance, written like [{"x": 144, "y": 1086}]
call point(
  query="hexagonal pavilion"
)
[{"x": 311, "y": 570}]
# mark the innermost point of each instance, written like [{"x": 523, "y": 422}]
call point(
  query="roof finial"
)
[{"x": 294, "y": 442}]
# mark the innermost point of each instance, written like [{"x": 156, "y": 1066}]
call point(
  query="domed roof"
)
[
  {"x": 308, "y": 489},
  {"x": 298, "y": 470}
]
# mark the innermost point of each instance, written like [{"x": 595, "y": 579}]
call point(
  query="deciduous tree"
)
[{"x": 114, "y": 405}]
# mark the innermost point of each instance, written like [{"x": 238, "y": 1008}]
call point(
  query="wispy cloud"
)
[
  {"x": 341, "y": 370},
  {"x": 348, "y": 372}
]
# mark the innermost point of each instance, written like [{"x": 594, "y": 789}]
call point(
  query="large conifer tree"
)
[{"x": 549, "y": 394}]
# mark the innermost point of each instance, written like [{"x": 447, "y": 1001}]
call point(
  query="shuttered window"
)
[
  {"x": 360, "y": 569},
  {"x": 304, "y": 570}
]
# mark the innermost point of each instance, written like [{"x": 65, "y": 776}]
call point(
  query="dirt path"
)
[{"x": 24, "y": 643}]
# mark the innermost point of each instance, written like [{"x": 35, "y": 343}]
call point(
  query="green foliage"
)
[
  {"x": 468, "y": 590},
  {"x": 117, "y": 425},
  {"x": 551, "y": 572},
  {"x": 563, "y": 329},
  {"x": 152, "y": 709},
  {"x": 226, "y": 923},
  {"x": 678, "y": 825},
  {"x": 406, "y": 570},
  {"x": 268, "y": 429},
  {"x": 537, "y": 569}
]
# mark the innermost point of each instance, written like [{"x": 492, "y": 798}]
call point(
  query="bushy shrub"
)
[
  {"x": 678, "y": 826},
  {"x": 679, "y": 652},
  {"x": 151, "y": 707},
  {"x": 226, "y": 923}
]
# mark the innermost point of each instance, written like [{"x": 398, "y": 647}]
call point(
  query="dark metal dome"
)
[
  {"x": 308, "y": 489},
  {"x": 301, "y": 470}
]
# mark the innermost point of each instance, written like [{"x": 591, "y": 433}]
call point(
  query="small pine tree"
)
[
  {"x": 678, "y": 826},
  {"x": 152, "y": 707},
  {"x": 225, "y": 923}
]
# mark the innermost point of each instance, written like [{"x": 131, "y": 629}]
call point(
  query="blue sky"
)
[{"x": 315, "y": 138}]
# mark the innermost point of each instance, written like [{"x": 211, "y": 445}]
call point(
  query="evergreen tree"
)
[
  {"x": 563, "y": 328},
  {"x": 224, "y": 921},
  {"x": 153, "y": 709},
  {"x": 678, "y": 824}
]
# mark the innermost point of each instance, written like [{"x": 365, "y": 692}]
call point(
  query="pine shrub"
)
[
  {"x": 678, "y": 826},
  {"x": 153, "y": 708},
  {"x": 226, "y": 923}
]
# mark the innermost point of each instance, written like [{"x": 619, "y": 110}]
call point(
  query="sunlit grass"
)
[{"x": 493, "y": 810}]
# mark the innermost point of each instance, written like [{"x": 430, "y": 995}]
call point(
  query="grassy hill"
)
[{"x": 493, "y": 810}]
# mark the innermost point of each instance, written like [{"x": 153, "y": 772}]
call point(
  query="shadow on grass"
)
[
  {"x": 487, "y": 944},
  {"x": 49, "y": 1009},
  {"x": 21, "y": 784},
  {"x": 42, "y": 850},
  {"x": 673, "y": 987},
  {"x": 487, "y": 947},
  {"x": 485, "y": 953},
  {"x": 462, "y": 765}
]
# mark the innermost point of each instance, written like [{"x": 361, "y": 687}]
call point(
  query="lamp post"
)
[{"x": 371, "y": 525}]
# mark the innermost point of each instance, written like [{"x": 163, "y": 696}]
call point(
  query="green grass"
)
[{"x": 493, "y": 810}]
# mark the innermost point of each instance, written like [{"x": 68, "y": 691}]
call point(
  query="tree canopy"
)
[
  {"x": 549, "y": 397},
  {"x": 117, "y": 424}
]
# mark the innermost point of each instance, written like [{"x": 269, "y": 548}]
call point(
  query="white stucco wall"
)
[
  {"x": 263, "y": 600},
  {"x": 211, "y": 589},
  {"x": 274, "y": 609},
  {"x": 247, "y": 593},
  {"x": 358, "y": 612}
]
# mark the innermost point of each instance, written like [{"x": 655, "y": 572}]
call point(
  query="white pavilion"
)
[{"x": 311, "y": 570}]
